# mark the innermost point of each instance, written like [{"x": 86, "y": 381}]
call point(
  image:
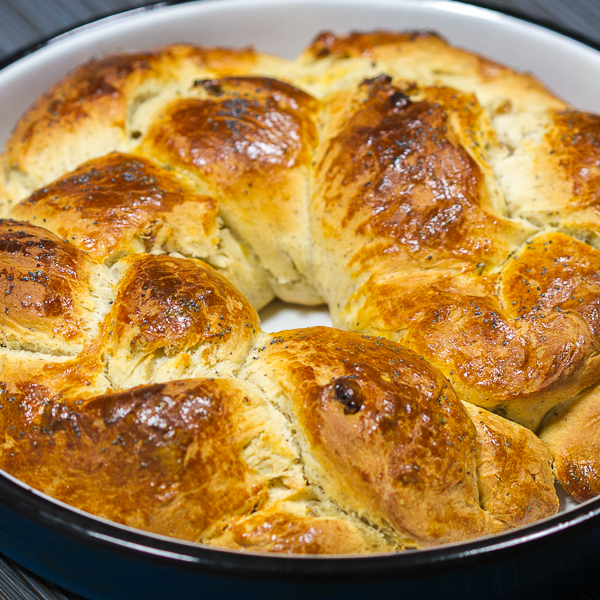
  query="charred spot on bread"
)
[{"x": 347, "y": 391}]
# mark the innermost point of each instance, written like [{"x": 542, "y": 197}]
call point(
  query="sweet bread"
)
[{"x": 442, "y": 205}]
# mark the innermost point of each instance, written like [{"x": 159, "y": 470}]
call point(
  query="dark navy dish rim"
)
[
  {"x": 127, "y": 542},
  {"x": 42, "y": 510}
]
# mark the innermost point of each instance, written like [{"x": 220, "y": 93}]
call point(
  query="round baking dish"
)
[{"x": 102, "y": 560}]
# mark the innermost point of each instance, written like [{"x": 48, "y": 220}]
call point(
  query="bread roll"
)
[{"x": 442, "y": 205}]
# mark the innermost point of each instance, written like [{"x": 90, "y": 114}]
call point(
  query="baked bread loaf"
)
[{"x": 443, "y": 206}]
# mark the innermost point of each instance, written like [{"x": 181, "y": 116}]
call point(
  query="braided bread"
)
[{"x": 444, "y": 207}]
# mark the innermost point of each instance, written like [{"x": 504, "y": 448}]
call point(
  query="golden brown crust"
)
[
  {"x": 158, "y": 458},
  {"x": 118, "y": 204},
  {"x": 384, "y": 433},
  {"x": 334, "y": 61},
  {"x": 249, "y": 141},
  {"x": 173, "y": 316},
  {"x": 93, "y": 99},
  {"x": 401, "y": 185},
  {"x": 572, "y": 432},
  {"x": 524, "y": 338},
  {"x": 238, "y": 125},
  {"x": 53, "y": 296},
  {"x": 361, "y": 44},
  {"x": 388, "y": 45},
  {"x": 96, "y": 98},
  {"x": 190, "y": 448},
  {"x": 514, "y": 470},
  {"x": 575, "y": 139},
  {"x": 29, "y": 383},
  {"x": 551, "y": 174},
  {"x": 3, "y": 193},
  {"x": 411, "y": 180},
  {"x": 390, "y": 175},
  {"x": 277, "y": 530}
]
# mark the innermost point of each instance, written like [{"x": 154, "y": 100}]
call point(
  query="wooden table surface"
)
[{"x": 26, "y": 22}]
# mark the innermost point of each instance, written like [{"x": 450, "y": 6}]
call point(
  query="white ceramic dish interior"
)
[{"x": 285, "y": 27}]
